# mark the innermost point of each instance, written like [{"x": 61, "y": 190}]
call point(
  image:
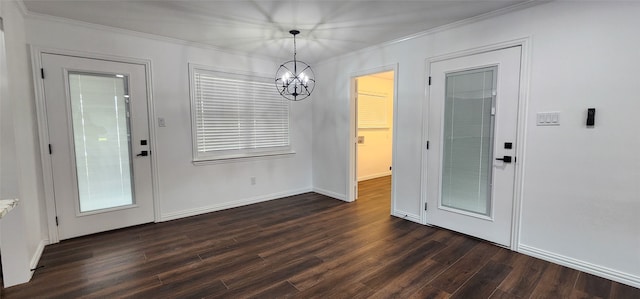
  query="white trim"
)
[
  {"x": 35, "y": 259},
  {"x": 621, "y": 277},
  {"x": 352, "y": 143},
  {"x": 241, "y": 157},
  {"x": 153, "y": 144},
  {"x": 43, "y": 136},
  {"x": 151, "y": 36},
  {"x": 43, "y": 128},
  {"x": 256, "y": 157},
  {"x": 331, "y": 194},
  {"x": 523, "y": 104},
  {"x": 521, "y": 141},
  {"x": 232, "y": 204},
  {"x": 479, "y": 50},
  {"x": 406, "y": 215},
  {"x": 445, "y": 27},
  {"x": 423, "y": 144},
  {"x": 374, "y": 176}
]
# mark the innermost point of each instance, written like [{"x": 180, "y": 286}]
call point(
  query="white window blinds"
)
[{"x": 237, "y": 116}]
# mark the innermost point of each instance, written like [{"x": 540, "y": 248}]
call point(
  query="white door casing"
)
[
  {"x": 71, "y": 221},
  {"x": 352, "y": 144},
  {"x": 355, "y": 138},
  {"x": 496, "y": 224}
]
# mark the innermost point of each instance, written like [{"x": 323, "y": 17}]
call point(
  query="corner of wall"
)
[
  {"x": 406, "y": 216},
  {"x": 22, "y": 7},
  {"x": 24, "y": 245},
  {"x": 332, "y": 194}
]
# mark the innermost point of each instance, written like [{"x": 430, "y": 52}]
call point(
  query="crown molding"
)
[
  {"x": 471, "y": 20},
  {"x": 44, "y": 17},
  {"x": 457, "y": 24}
]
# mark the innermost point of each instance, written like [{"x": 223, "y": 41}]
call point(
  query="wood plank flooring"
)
[{"x": 304, "y": 246}]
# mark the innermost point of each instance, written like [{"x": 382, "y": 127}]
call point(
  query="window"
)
[
  {"x": 373, "y": 109},
  {"x": 236, "y": 115}
]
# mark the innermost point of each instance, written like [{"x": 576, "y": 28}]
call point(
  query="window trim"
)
[{"x": 206, "y": 159}]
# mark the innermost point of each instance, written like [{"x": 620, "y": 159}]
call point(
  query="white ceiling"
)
[{"x": 328, "y": 27}]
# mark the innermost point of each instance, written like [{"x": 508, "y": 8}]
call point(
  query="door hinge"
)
[
  {"x": 429, "y": 80},
  {"x": 50, "y": 151},
  {"x": 427, "y": 144},
  {"x": 57, "y": 221},
  {"x": 390, "y": 167},
  {"x": 425, "y": 206},
  {"x": 42, "y": 73}
]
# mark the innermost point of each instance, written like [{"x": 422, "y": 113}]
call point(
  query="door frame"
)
[
  {"x": 521, "y": 127},
  {"x": 352, "y": 144},
  {"x": 43, "y": 127}
]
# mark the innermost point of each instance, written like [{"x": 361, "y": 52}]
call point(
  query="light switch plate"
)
[
  {"x": 548, "y": 118},
  {"x": 161, "y": 122}
]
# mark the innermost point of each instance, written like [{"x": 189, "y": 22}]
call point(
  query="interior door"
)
[
  {"x": 98, "y": 128},
  {"x": 473, "y": 107}
]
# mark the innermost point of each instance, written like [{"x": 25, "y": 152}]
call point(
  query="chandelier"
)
[{"x": 295, "y": 79}]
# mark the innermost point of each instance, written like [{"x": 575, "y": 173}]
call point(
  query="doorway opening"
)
[{"x": 372, "y": 131}]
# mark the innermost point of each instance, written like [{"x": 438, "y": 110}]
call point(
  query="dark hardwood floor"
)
[{"x": 305, "y": 246}]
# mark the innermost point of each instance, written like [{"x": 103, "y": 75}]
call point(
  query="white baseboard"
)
[
  {"x": 374, "y": 176},
  {"x": 407, "y": 216},
  {"x": 583, "y": 266},
  {"x": 232, "y": 204},
  {"x": 38, "y": 254},
  {"x": 330, "y": 193}
]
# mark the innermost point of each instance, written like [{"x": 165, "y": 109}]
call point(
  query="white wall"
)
[
  {"x": 22, "y": 174},
  {"x": 581, "y": 196},
  {"x": 8, "y": 167},
  {"x": 374, "y": 155},
  {"x": 186, "y": 189}
]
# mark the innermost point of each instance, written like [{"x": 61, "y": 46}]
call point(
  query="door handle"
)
[
  {"x": 143, "y": 154},
  {"x": 505, "y": 159}
]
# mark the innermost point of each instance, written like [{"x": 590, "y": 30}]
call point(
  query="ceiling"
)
[{"x": 328, "y": 27}]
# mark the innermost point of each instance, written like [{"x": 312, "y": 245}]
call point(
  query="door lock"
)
[
  {"x": 143, "y": 154},
  {"x": 505, "y": 159}
]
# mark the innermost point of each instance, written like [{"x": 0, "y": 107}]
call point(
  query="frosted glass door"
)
[
  {"x": 472, "y": 130},
  {"x": 467, "y": 140},
  {"x": 101, "y": 137},
  {"x": 99, "y": 146}
]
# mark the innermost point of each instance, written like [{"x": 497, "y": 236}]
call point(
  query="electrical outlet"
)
[{"x": 253, "y": 180}]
